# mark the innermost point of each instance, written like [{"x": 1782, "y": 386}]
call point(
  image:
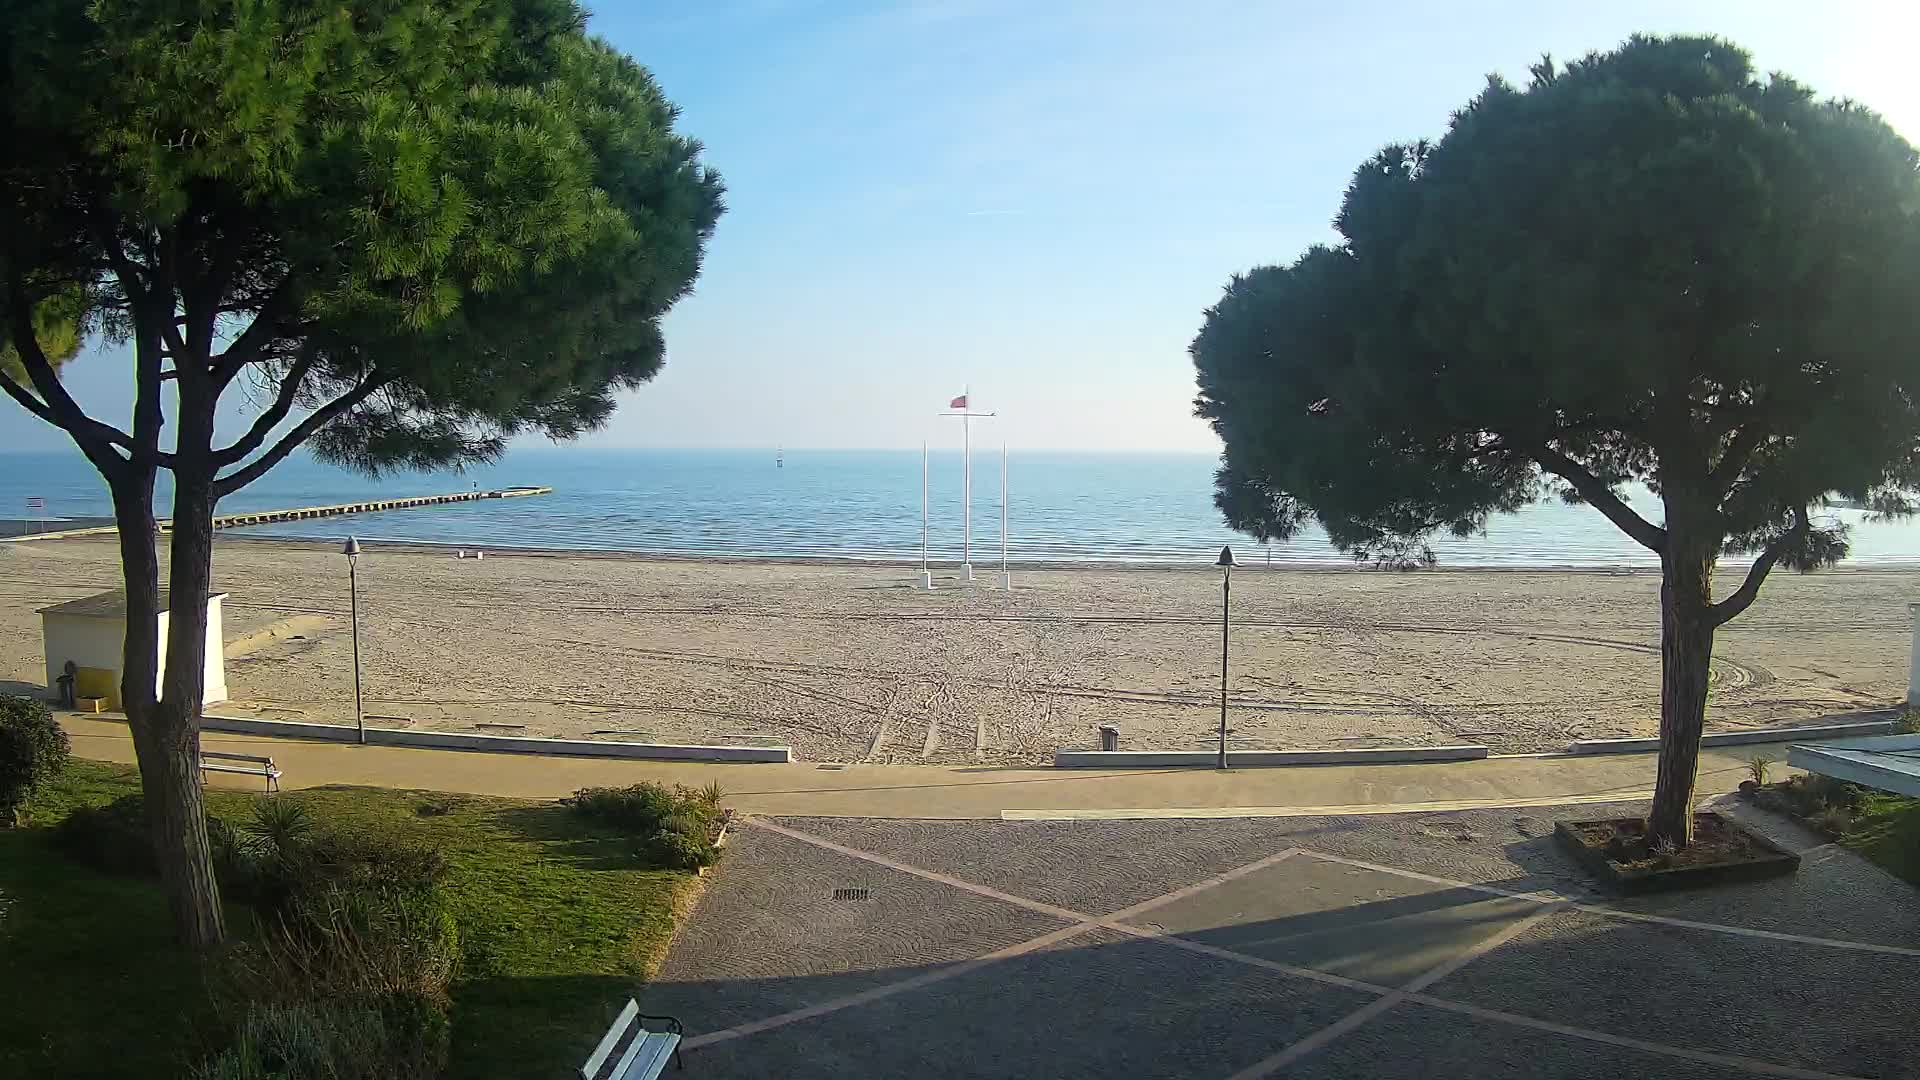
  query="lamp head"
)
[
  {"x": 1226, "y": 557},
  {"x": 352, "y": 548}
]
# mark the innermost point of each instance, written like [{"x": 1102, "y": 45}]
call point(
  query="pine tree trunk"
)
[
  {"x": 166, "y": 738},
  {"x": 1686, "y": 654},
  {"x": 180, "y": 823},
  {"x": 140, "y": 569}
]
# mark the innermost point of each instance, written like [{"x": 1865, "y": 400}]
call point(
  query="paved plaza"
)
[{"x": 1429, "y": 945}]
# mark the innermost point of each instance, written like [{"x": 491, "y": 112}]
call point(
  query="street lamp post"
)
[
  {"x": 1225, "y": 563},
  {"x": 352, "y": 552}
]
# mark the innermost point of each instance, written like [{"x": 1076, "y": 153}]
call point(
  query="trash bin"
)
[
  {"x": 1109, "y": 737},
  {"x": 68, "y": 673}
]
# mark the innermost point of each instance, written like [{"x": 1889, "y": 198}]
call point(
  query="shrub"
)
[
  {"x": 674, "y": 825},
  {"x": 113, "y": 837},
  {"x": 1758, "y": 768},
  {"x": 1834, "y": 821},
  {"x": 279, "y": 830},
  {"x": 681, "y": 850},
  {"x": 232, "y": 862},
  {"x": 640, "y": 809},
  {"x": 374, "y": 861},
  {"x": 352, "y": 982},
  {"x": 286, "y": 852},
  {"x": 352, "y": 1039},
  {"x": 1823, "y": 791},
  {"x": 33, "y": 749},
  {"x": 342, "y": 939}
]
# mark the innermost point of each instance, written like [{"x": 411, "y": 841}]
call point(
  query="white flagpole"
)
[
  {"x": 966, "y": 414},
  {"x": 966, "y": 445},
  {"x": 926, "y": 576},
  {"x": 1006, "y": 578}
]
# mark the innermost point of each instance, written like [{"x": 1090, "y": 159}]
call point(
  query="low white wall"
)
[
  {"x": 1160, "y": 759},
  {"x": 1737, "y": 738},
  {"x": 447, "y": 740}
]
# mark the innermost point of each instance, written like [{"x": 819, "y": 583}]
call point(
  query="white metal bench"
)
[
  {"x": 646, "y": 1051},
  {"x": 249, "y": 764}
]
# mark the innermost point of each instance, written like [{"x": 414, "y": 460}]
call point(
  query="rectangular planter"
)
[{"x": 1775, "y": 861}]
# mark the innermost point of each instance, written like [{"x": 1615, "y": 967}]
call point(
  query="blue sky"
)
[{"x": 1039, "y": 199}]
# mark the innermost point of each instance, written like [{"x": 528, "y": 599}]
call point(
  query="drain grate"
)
[{"x": 853, "y": 894}]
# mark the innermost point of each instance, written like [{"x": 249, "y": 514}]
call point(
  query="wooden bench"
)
[
  {"x": 646, "y": 1051},
  {"x": 248, "y": 764}
]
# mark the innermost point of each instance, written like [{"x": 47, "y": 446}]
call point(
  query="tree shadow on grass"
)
[
  {"x": 96, "y": 985},
  {"x": 568, "y": 838},
  {"x": 532, "y": 1027}
]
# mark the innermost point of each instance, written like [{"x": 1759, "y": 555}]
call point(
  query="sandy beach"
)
[{"x": 851, "y": 663}]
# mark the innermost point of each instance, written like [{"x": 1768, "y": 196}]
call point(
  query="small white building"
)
[{"x": 92, "y": 631}]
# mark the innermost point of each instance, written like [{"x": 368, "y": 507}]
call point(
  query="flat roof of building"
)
[
  {"x": 1888, "y": 762},
  {"x": 108, "y": 605}
]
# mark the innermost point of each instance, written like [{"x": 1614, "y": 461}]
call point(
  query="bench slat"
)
[
  {"x": 655, "y": 1049},
  {"x": 612, "y": 1039},
  {"x": 236, "y": 757}
]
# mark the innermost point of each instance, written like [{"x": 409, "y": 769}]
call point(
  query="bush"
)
[
  {"x": 681, "y": 850},
  {"x": 113, "y": 837},
  {"x": 339, "y": 939},
  {"x": 1833, "y": 822},
  {"x": 396, "y": 1038},
  {"x": 640, "y": 810},
  {"x": 286, "y": 852},
  {"x": 33, "y": 749},
  {"x": 374, "y": 860},
  {"x": 352, "y": 979},
  {"x": 675, "y": 825}
]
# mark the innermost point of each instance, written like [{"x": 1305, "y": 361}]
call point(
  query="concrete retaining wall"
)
[
  {"x": 1160, "y": 759},
  {"x": 1736, "y": 738},
  {"x": 517, "y": 744}
]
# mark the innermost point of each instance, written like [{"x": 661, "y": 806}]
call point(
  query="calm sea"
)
[{"x": 1083, "y": 507}]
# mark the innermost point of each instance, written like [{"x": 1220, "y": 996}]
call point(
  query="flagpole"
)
[
  {"x": 962, "y": 407},
  {"x": 966, "y": 449},
  {"x": 1006, "y": 578},
  {"x": 926, "y": 575}
]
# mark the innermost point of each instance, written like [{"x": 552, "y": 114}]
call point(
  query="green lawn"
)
[
  {"x": 1889, "y": 834},
  {"x": 559, "y": 922}
]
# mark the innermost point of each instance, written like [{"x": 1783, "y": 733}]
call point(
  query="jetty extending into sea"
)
[{"x": 268, "y": 517}]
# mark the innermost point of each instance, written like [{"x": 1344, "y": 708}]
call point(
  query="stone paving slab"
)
[
  {"x": 1806, "y": 1005},
  {"x": 1418, "y": 1042},
  {"x": 1836, "y": 893},
  {"x": 1098, "y": 1006},
  {"x": 769, "y": 937},
  {"x": 1305, "y": 912},
  {"x": 1083, "y": 864},
  {"x": 1094, "y": 867},
  {"x": 766, "y": 940}
]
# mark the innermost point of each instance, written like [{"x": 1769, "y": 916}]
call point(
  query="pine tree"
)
[{"x": 415, "y": 229}]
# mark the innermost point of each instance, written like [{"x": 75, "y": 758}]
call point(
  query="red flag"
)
[{"x": 958, "y": 403}]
